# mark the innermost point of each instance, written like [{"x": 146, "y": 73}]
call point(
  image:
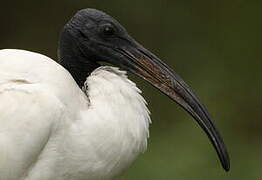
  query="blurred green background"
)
[{"x": 215, "y": 45}]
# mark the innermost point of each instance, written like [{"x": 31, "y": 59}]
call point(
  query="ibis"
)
[{"x": 79, "y": 119}]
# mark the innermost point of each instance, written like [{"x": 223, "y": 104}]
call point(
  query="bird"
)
[{"x": 77, "y": 119}]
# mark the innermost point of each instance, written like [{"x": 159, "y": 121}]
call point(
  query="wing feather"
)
[{"x": 28, "y": 115}]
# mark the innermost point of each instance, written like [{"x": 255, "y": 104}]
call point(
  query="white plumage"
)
[
  {"x": 78, "y": 120},
  {"x": 50, "y": 129}
]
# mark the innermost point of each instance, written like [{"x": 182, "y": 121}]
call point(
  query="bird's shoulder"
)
[
  {"x": 25, "y": 67},
  {"x": 25, "y": 101},
  {"x": 32, "y": 85},
  {"x": 32, "y": 66}
]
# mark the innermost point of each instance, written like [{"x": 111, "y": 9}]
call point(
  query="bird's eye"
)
[{"x": 108, "y": 30}]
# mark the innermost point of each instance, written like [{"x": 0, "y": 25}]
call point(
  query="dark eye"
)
[{"x": 108, "y": 30}]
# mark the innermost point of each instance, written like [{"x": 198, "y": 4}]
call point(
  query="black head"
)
[
  {"x": 89, "y": 37},
  {"x": 92, "y": 36}
]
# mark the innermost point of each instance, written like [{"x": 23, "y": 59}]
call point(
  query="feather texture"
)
[{"x": 52, "y": 130}]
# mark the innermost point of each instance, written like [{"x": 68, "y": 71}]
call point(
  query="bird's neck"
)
[{"x": 72, "y": 58}]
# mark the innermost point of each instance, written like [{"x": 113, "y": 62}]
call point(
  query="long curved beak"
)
[{"x": 146, "y": 65}]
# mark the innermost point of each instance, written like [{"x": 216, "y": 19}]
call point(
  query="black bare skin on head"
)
[{"x": 89, "y": 37}]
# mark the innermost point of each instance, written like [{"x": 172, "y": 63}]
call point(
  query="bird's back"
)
[
  {"x": 24, "y": 67},
  {"x": 33, "y": 92}
]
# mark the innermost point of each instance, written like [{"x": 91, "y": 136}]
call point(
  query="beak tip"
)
[
  {"x": 226, "y": 164},
  {"x": 225, "y": 161},
  {"x": 226, "y": 167}
]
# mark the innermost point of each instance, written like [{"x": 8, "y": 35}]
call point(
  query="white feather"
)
[{"x": 50, "y": 129}]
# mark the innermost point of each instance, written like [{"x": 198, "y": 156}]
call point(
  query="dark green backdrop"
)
[{"x": 215, "y": 45}]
